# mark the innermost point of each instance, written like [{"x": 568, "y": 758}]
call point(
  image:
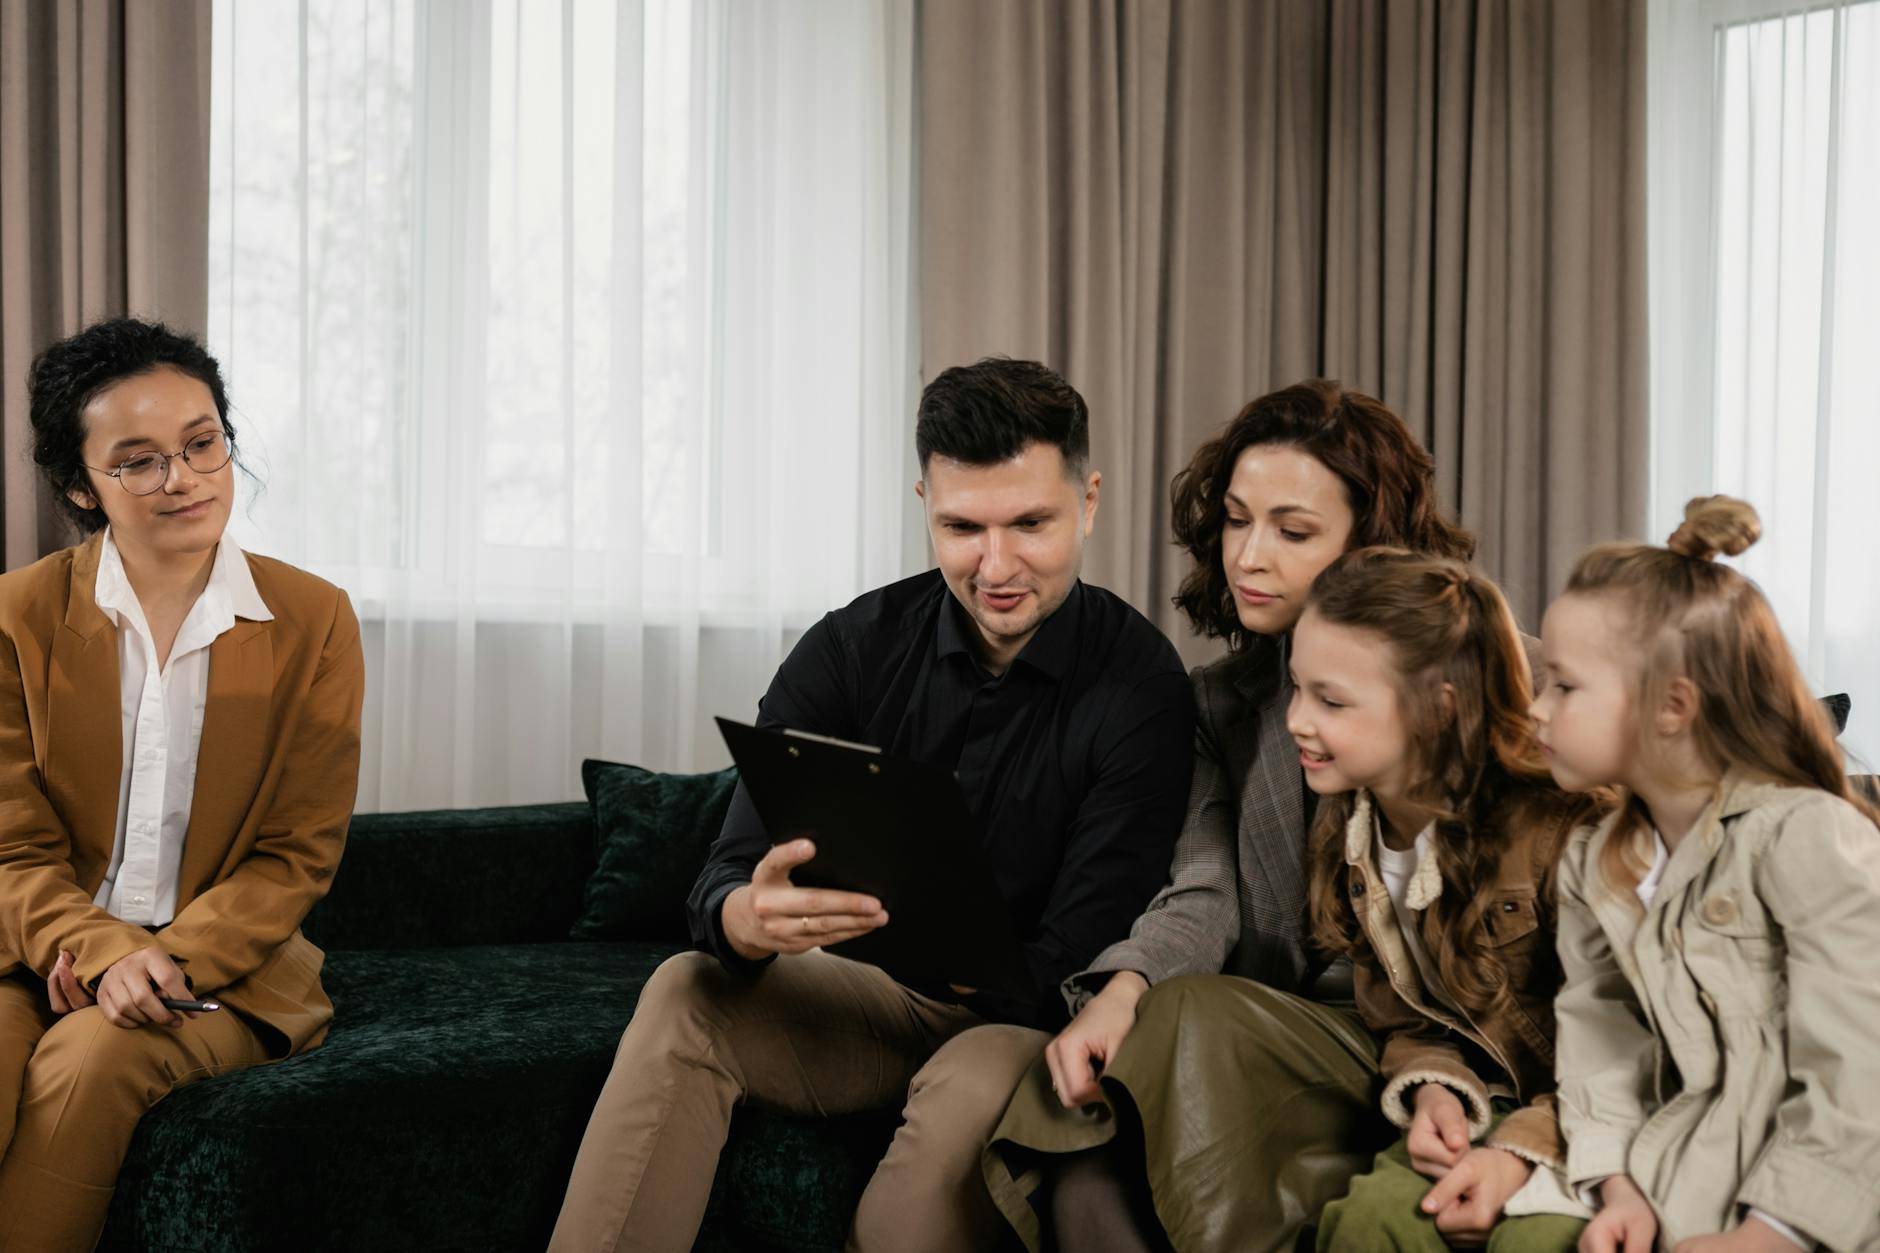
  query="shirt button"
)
[{"x": 137, "y": 900}]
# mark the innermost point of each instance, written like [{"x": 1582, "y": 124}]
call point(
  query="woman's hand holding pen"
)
[
  {"x": 131, "y": 992},
  {"x": 771, "y": 915}
]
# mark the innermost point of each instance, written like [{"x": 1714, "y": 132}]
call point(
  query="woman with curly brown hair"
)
[
  {"x": 179, "y": 749},
  {"x": 1247, "y": 1102}
]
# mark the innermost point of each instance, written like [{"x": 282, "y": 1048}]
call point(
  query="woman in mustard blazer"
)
[{"x": 179, "y": 752}]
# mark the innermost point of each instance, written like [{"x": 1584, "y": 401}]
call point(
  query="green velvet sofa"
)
[{"x": 470, "y": 1039}]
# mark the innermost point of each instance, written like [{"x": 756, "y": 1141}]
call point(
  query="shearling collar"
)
[{"x": 1363, "y": 831}]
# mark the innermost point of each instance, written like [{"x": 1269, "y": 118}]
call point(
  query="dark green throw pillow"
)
[
  {"x": 1838, "y": 707},
  {"x": 655, "y": 831}
]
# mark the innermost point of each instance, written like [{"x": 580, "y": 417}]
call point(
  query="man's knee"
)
[
  {"x": 685, "y": 996},
  {"x": 968, "y": 1081}
]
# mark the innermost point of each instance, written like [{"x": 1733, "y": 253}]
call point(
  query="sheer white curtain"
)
[
  {"x": 575, "y": 341},
  {"x": 1765, "y": 307}
]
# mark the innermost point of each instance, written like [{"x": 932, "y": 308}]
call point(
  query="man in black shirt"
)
[{"x": 1069, "y": 723}]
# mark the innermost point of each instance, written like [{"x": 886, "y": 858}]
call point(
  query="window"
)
[
  {"x": 575, "y": 341},
  {"x": 1765, "y": 271}
]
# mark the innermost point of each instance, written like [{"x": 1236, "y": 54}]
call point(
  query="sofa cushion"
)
[
  {"x": 790, "y": 1185},
  {"x": 443, "y": 1113},
  {"x": 512, "y": 875},
  {"x": 654, "y": 833},
  {"x": 1839, "y": 706}
]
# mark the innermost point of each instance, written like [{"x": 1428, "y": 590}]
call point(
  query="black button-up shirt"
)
[{"x": 1076, "y": 760}]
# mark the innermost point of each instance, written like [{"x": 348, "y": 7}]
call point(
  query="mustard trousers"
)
[{"x": 72, "y": 1088}]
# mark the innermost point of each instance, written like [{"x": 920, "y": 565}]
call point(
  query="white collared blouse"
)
[{"x": 162, "y": 730}]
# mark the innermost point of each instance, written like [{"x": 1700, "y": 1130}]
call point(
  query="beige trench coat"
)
[{"x": 1723, "y": 1048}]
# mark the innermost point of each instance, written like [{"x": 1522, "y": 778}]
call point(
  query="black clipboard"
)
[{"x": 901, "y": 831}]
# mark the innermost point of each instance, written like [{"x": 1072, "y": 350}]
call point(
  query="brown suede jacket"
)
[{"x": 1506, "y": 1051}]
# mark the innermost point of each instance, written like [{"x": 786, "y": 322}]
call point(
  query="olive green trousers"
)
[
  {"x": 1380, "y": 1215},
  {"x": 1257, "y": 1108}
]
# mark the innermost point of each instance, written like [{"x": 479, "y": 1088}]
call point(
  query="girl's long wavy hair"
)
[
  {"x": 1696, "y": 619},
  {"x": 1465, "y": 688}
]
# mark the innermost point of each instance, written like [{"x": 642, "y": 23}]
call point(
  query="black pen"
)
[{"x": 191, "y": 1007}]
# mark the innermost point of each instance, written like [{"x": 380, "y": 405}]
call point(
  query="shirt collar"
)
[
  {"x": 1051, "y": 651},
  {"x": 238, "y": 581},
  {"x": 230, "y": 594}
]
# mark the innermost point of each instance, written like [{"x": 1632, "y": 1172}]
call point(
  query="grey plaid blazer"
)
[{"x": 1236, "y": 897}]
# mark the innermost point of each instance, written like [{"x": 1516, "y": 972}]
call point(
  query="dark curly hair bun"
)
[{"x": 69, "y": 374}]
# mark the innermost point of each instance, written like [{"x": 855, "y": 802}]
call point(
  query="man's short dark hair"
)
[
  {"x": 67, "y": 375},
  {"x": 989, "y": 411}
]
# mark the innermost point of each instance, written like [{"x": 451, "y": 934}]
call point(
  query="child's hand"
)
[
  {"x": 1467, "y": 1201},
  {"x": 1752, "y": 1235},
  {"x": 1625, "y": 1222},
  {"x": 1439, "y": 1131}
]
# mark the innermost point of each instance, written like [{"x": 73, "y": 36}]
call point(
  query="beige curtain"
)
[
  {"x": 1183, "y": 205},
  {"x": 104, "y": 197}
]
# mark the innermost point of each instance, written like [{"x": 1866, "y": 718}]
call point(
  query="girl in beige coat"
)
[{"x": 1719, "y": 1082}]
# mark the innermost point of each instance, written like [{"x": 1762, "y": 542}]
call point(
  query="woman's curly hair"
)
[
  {"x": 69, "y": 374},
  {"x": 1390, "y": 484}
]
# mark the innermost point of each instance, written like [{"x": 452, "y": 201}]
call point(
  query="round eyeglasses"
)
[{"x": 147, "y": 472}]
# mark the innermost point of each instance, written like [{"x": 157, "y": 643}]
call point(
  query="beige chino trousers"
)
[{"x": 814, "y": 1035}]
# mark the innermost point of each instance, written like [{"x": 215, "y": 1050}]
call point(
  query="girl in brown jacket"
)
[
  {"x": 1432, "y": 860},
  {"x": 1719, "y": 1080},
  {"x": 179, "y": 751}
]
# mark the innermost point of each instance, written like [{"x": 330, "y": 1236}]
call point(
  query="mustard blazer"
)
[{"x": 277, "y": 772}]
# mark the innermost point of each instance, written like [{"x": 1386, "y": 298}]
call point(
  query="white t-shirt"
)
[{"x": 1398, "y": 867}]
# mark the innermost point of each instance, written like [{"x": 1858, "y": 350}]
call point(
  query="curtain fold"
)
[
  {"x": 104, "y": 192},
  {"x": 1183, "y": 205}
]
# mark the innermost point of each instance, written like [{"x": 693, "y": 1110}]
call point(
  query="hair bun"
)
[{"x": 1713, "y": 525}]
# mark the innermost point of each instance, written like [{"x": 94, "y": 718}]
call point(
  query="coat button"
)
[{"x": 1719, "y": 911}]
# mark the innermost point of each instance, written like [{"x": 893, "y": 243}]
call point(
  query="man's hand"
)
[
  {"x": 1752, "y": 1235},
  {"x": 1467, "y": 1201},
  {"x": 128, "y": 994},
  {"x": 1625, "y": 1222},
  {"x": 771, "y": 915},
  {"x": 63, "y": 988},
  {"x": 1439, "y": 1131},
  {"x": 1082, "y": 1049}
]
